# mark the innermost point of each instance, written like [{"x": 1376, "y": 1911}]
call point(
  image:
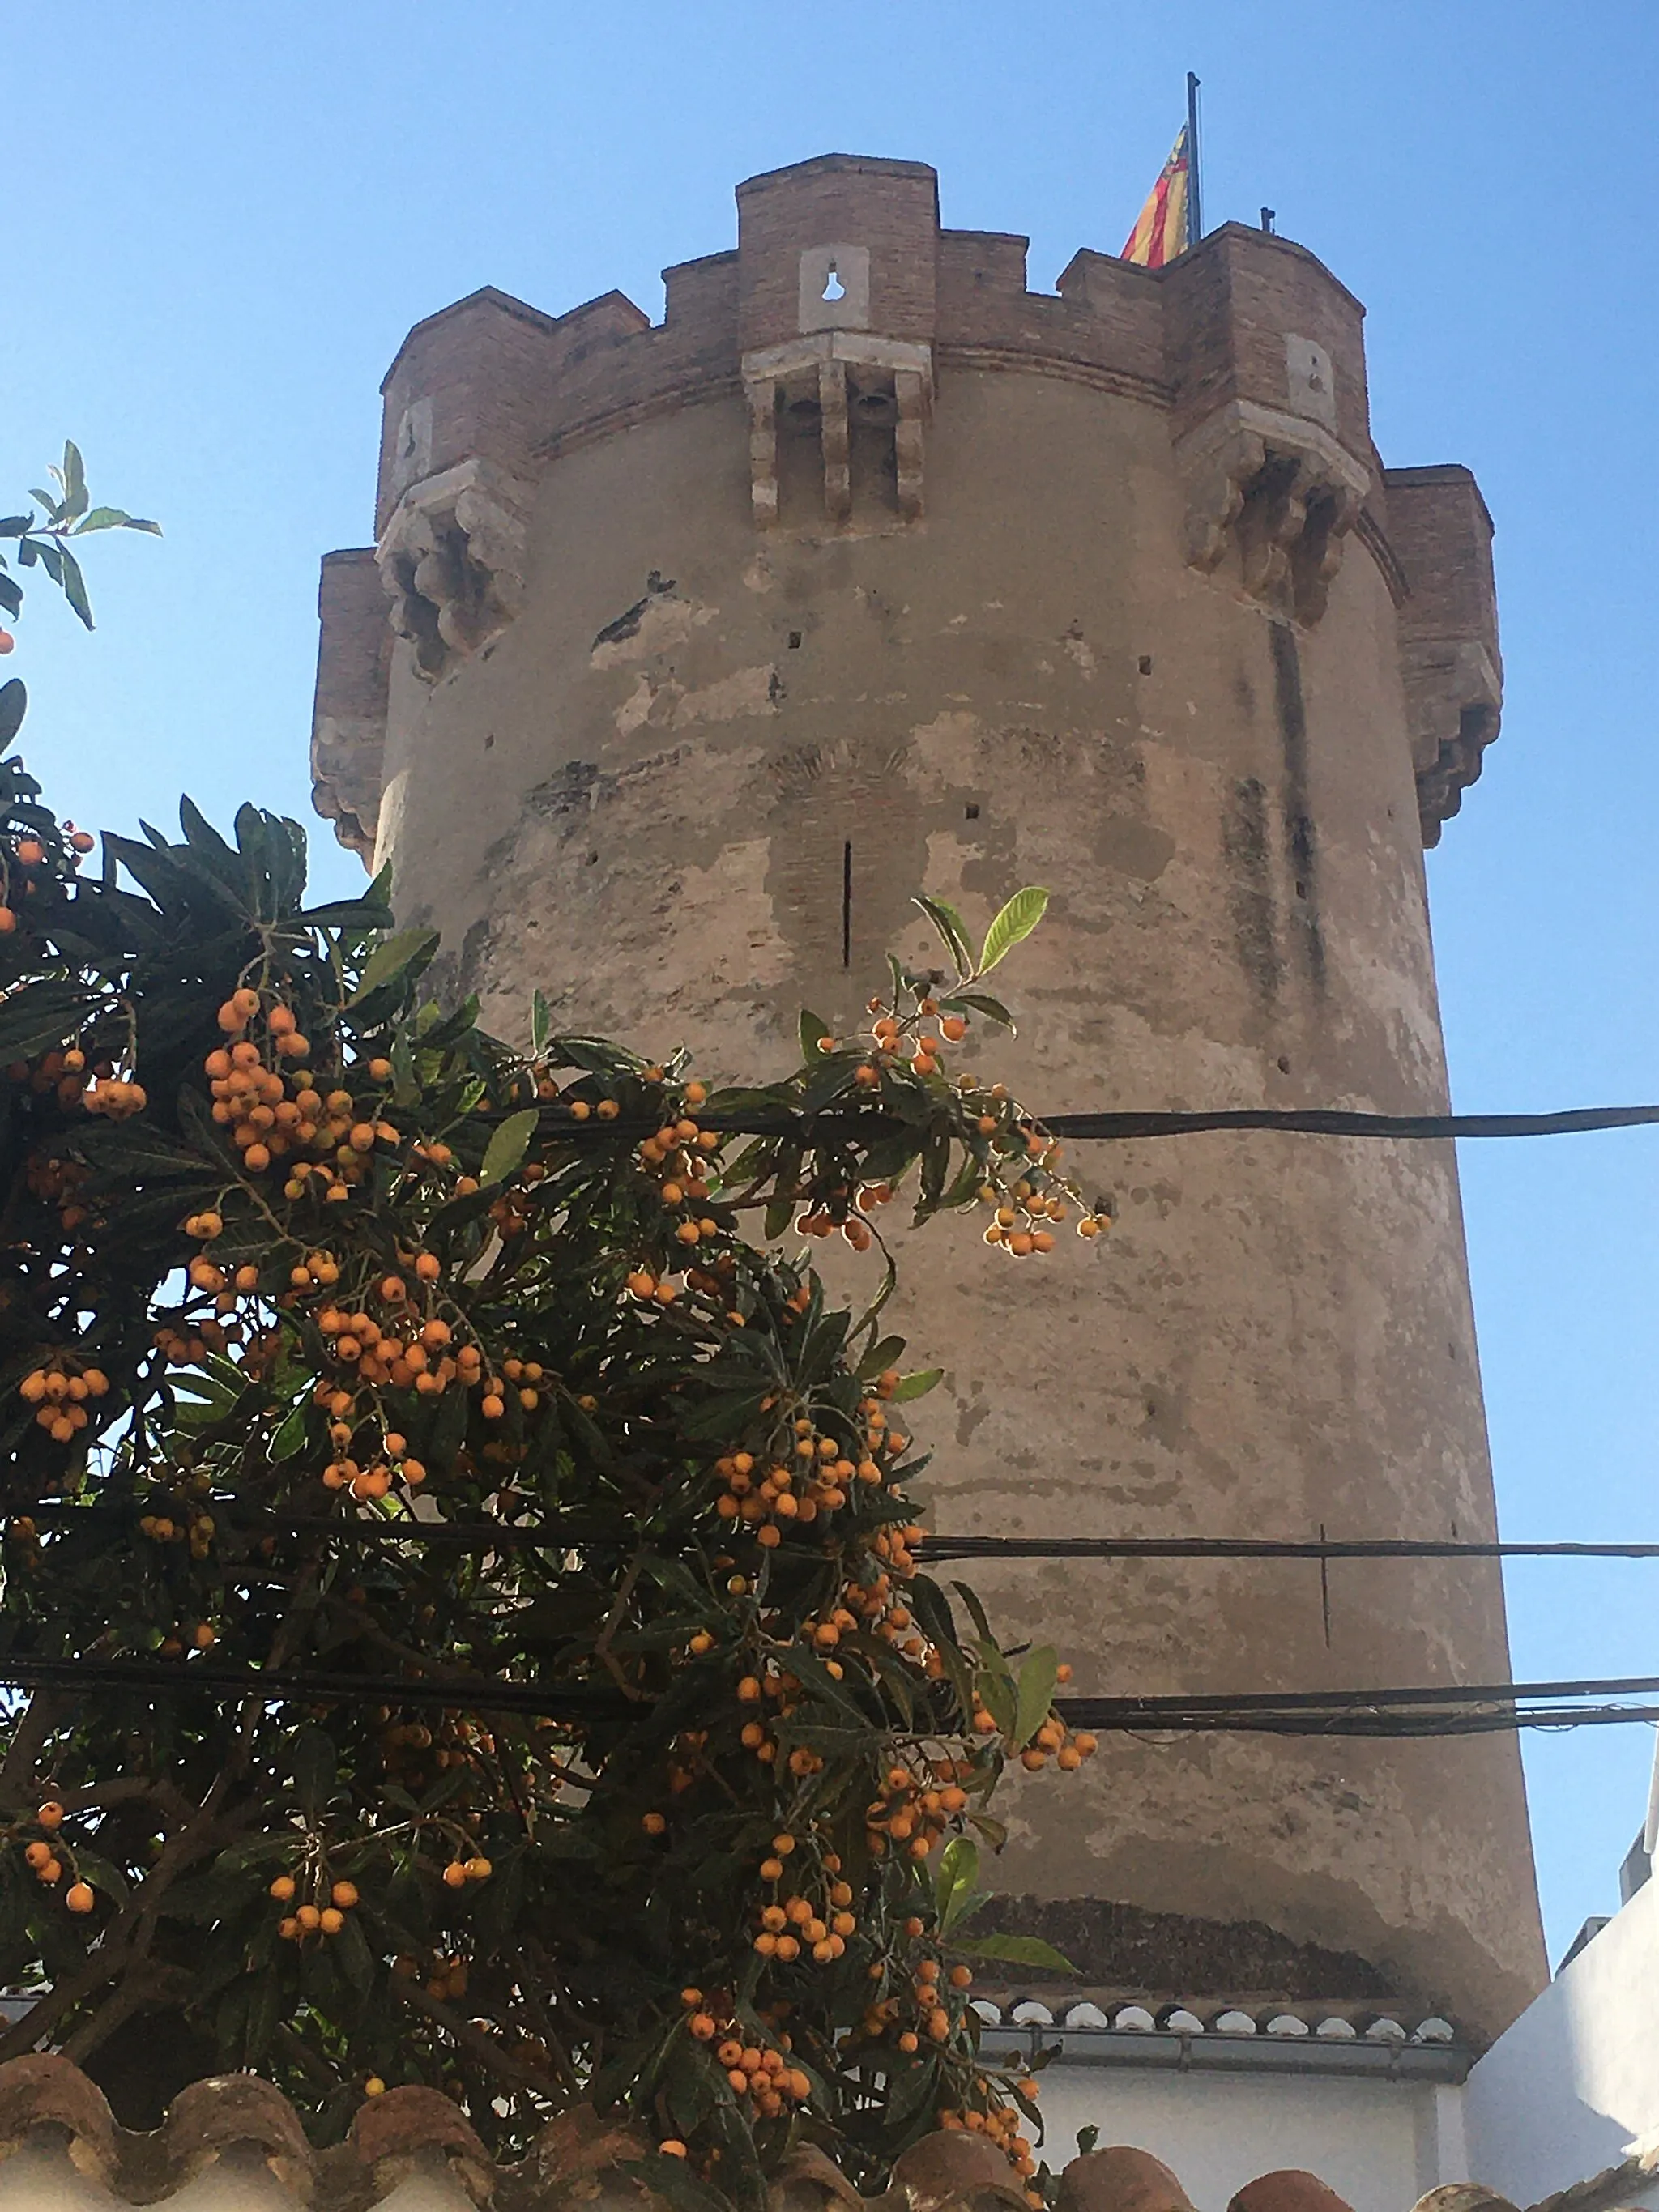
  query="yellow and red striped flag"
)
[{"x": 1162, "y": 229}]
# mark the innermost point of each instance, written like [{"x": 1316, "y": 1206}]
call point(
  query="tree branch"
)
[{"x": 487, "y": 2052}]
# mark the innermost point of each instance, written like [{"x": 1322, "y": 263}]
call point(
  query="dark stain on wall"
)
[
  {"x": 1251, "y": 896},
  {"x": 1301, "y": 848}
]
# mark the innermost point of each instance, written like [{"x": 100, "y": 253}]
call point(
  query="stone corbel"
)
[
  {"x": 346, "y": 758},
  {"x": 1279, "y": 489},
  {"x": 839, "y": 375},
  {"x": 1453, "y": 703},
  {"x": 452, "y": 559}
]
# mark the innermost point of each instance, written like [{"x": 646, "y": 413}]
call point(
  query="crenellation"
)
[
  {"x": 1237, "y": 309},
  {"x": 701, "y": 299},
  {"x": 973, "y": 264},
  {"x": 841, "y": 318},
  {"x": 1121, "y": 307},
  {"x": 466, "y": 385},
  {"x": 349, "y": 714},
  {"x": 888, "y": 210},
  {"x": 1449, "y": 651}
]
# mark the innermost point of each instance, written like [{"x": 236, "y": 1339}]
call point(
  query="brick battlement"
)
[
  {"x": 837, "y": 323},
  {"x": 501, "y": 378}
]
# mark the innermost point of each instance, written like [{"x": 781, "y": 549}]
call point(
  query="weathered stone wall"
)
[{"x": 1094, "y": 592}]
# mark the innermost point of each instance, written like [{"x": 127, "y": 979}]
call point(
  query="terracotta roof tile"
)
[
  {"x": 1463, "y": 2196},
  {"x": 579, "y": 2163},
  {"x": 1121, "y": 2180},
  {"x": 1289, "y": 2191}
]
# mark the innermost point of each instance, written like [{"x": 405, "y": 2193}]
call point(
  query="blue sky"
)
[{"x": 225, "y": 218}]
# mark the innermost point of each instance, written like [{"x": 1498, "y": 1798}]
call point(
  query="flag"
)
[{"x": 1162, "y": 229}]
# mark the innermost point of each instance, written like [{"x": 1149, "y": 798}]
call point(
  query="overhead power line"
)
[
  {"x": 1440, "y": 1710},
  {"x": 578, "y": 1534},
  {"x": 932, "y": 1549},
  {"x": 1329, "y": 1121},
  {"x": 838, "y": 1119}
]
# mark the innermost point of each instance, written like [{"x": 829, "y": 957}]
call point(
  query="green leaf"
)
[
  {"x": 995, "y": 1832},
  {"x": 980, "y": 1002},
  {"x": 266, "y": 2011},
  {"x": 74, "y": 481},
  {"x": 315, "y": 1770},
  {"x": 541, "y": 1023},
  {"x": 1017, "y": 920},
  {"x": 290, "y": 1435},
  {"x": 993, "y": 1685},
  {"x": 951, "y": 928},
  {"x": 39, "y": 1016},
  {"x": 508, "y": 1145},
  {"x": 74, "y": 584},
  {"x": 102, "y": 518},
  {"x": 812, "y": 1027},
  {"x": 405, "y": 1082},
  {"x": 390, "y": 959},
  {"x": 917, "y": 1385},
  {"x": 1019, "y": 1951},
  {"x": 670, "y": 2178},
  {"x": 15, "y": 526},
  {"x": 953, "y": 1885},
  {"x": 880, "y": 1356},
  {"x": 970, "y": 1599},
  {"x": 13, "y": 702},
  {"x": 1037, "y": 1678}
]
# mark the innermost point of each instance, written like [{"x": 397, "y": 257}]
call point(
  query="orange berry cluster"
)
[
  {"x": 825, "y": 1220},
  {"x": 43, "y": 1861},
  {"x": 180, "y": 1525},
  {"x": 60, "y": 1183},
  {"x": 96, "y": 1088},
  {"x": 444, "y": 1976},
  {"x": 676, "y": 1158},
  {"x": 274, "y": 1117},
  {"x": 1019, "y": 1226},
  {"x": 759, "y": 2071},
  {"x": 29, "y": 854},
  {"x": 778, "y": 1684},
  {"x": 812, "y": 1475},
  {"x": 793, "y": 1924},
  {"x": 927, "y": 2008},
  {"x": 59, "y": 1392},
  {"x": 405, "y": 1350},
  {"x": 914, "y": 1810},
  {"x": 910, "y": 1040},
  {"x": 1054, "y": 1740},
  {"x": 1000, "y": 2124},
  {"x": 322, "y": 1914}
]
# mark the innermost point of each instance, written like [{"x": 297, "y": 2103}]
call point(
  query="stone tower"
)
[{"x": 687, "y": 651}]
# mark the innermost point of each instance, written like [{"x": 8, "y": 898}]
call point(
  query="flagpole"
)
[{"x": 1194, "y": 204}]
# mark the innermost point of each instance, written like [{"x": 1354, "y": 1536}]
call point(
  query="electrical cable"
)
[
  {"x": 572, "y": 1535},
  {"x": 873, "y": 1121},
  {"x": 1435, "y": 1709},
  {"x": 931, "y": 1548}
]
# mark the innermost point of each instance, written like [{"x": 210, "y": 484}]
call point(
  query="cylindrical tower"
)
[{"x": 869, "y": 571}]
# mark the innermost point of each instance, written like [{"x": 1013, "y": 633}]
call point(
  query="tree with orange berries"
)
[{"x": 460, "y": 1598}]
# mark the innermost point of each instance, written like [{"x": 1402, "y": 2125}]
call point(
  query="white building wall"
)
[
  {"x": 1379, "y": 2144},
  {"x": 1573, "y": 2088}
]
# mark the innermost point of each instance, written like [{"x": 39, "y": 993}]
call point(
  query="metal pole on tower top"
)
[{"x": 1194, "y": 202}]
